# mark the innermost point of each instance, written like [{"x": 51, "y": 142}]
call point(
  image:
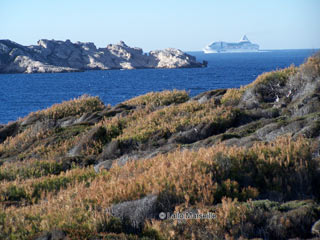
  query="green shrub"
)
[
  {"x": 36, "y": 189},
  {"x": 14, "y": 193},
  {"x": 32, "y": 169}
]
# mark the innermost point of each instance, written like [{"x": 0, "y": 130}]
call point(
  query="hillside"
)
[{"x": 250, "y": 156}]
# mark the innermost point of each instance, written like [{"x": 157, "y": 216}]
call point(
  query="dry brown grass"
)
[
  {"x": 32, "y": 189},
  {"x": 156, "y": 99},
  {"x": 233, "y": 96},
  {"x": 21, "y": 141},
  {"x": 193, "y": 176},
  {"x": 192, "y": 173},
  {"x": 31, "y": 168},
  {"x": 74, "y": 107},
  {"x": 45, "y": 143}
]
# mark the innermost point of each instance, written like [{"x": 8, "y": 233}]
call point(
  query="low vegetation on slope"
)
[
  {"x": 143, "y": 124},
  {"x": 249, "y": 156},
  {"x": 263, "y": 86}
]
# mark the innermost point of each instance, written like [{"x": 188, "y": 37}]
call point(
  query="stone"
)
[
  {"x": 66, "y": 122},
  {"x": 95, "y": 134},
  {"x": 107, "y": 164},
  {"x": 206, "y": 96},
  {"x": 30, "y": 119},
  {"x": 136, "y": 212},
  {"x": 173, "y": 58},
  {"x": 118, "y": 109},
  {"x": 89, "y": 118},
  {"x": 55, "y": 234},
  {"x": 316, "y": 228},
  {"x": 9, "y": 130},
  {"x": 199, "y": 132},
  {"x": 111, "y": 151}
]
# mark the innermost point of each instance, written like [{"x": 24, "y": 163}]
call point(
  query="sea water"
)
[{"x": 21, "y": 94}]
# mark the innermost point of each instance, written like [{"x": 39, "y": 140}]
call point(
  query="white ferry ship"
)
[{"x": 244, "y": 45}]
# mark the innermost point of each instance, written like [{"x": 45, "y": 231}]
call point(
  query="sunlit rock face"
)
[{"x": 65, "y": 56}]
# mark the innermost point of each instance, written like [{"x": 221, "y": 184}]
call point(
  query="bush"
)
[
  {"x": 156, "y": 99},
  {"x": 31, "y": 169},
  {"x": 34, "y": 190},
  {"x": 232, "y": 96},
  {"x": 74, "y": 107}
]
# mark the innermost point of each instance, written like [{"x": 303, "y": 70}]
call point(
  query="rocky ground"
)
[
  {"x": 64, "y": 56},
  {"x": 250, "y": 156}
]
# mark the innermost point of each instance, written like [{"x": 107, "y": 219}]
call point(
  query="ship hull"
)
[{"x": 206, "y": 50}]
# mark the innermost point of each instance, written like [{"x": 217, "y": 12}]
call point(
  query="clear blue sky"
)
[{"x": 150, "y": 24}]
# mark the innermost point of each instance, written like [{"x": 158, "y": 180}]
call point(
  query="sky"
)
[{"x": 185, "y": 24}]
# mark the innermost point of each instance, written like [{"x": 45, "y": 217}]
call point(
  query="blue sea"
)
[{"x": 21, "y": 94}]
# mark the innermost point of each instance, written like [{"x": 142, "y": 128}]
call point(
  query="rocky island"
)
[
  {"x": 51, "y": 56},
  {"x": 250, "y": 157}
]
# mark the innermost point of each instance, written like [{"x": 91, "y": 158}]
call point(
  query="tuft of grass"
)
[
  {"x": 32, "y": 190},
  {"x": 279, "y": 76},
  {"x": 157, "y": 99},
  {"x": 46, "y": 143},
  {"x": 74, "y": 107},
  {"x": 32, "y": 168},
  {"x": 232, "y": 96},
  {"x": 19, "y": 143}
]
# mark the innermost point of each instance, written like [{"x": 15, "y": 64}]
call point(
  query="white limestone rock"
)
[
  {"x": 65, "y": 56},
  {"x": 173, "y": 58}
]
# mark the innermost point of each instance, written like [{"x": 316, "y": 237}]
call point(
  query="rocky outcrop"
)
[
  {"x": 134, "y": 213},
  {"x": 94, "y": 135},
  {"x": 54, "y": 234},
  {"x": 316, "y": 228},
  {"x": 8, "y": 131},
  {"x": 65, "y": 56}
]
